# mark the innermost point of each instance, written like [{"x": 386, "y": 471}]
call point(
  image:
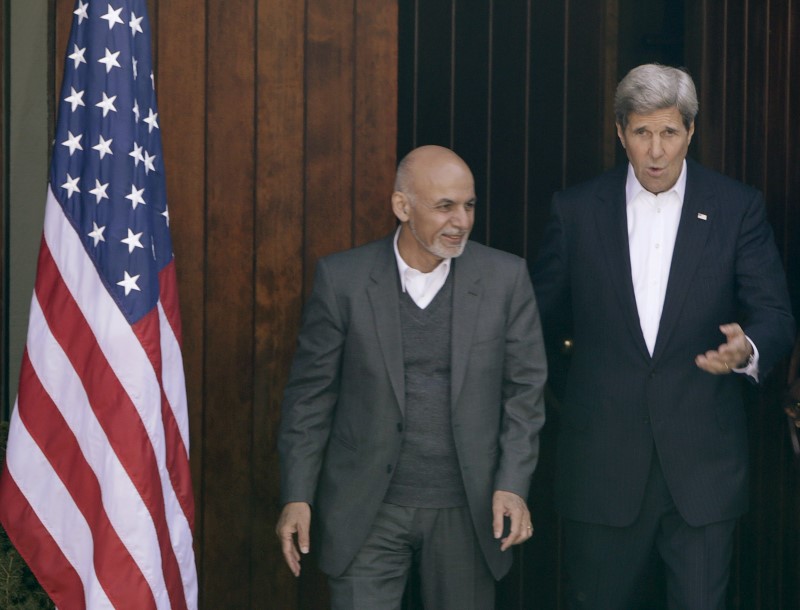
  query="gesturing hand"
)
[{"x": 732, "y": 354}]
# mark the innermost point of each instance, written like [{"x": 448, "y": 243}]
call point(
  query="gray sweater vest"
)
[{"x": 427, "y": 473}]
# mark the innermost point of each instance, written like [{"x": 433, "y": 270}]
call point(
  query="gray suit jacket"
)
[{"x": 341, "y": 429}]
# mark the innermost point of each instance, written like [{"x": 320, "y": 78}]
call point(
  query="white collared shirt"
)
[
  {"x": 652, "y": 229},
  {"x": 421, "y": 287}
]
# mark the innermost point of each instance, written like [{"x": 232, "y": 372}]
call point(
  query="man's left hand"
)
[
  {"x": 507, "y": 504},
  {"x": 732, "y": 354}
]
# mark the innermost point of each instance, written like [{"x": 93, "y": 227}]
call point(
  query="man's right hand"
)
[{"x": 295, "y": 519}]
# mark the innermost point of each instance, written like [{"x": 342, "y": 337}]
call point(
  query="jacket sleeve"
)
[
  {"x": 762, "y": 295},
  {"x": 311, "y": 393},
  {"x": 524, "y": 376}
]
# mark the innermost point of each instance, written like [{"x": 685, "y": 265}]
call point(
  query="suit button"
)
[
  {"x": 645, "y": 420},
  {"x": 652, "y": 375},
  {"x": 399, "y": 426},
  {"x": 389, "y": 468}
]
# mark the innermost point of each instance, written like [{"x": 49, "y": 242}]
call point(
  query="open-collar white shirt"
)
[
  {"x": 652, "y": 227},
  {"x": 421, "y": 287}
]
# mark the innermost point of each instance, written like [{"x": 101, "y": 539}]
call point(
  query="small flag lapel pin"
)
[{"x": 702, "y": 216}]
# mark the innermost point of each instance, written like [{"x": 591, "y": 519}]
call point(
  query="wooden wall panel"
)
[
  {"x": 374, "y": 117},
  {"x": 329, "y": 128},
  {"x": 228, "y": 371},
  {"x": 278, "y": 271},
  {"x": 471, "y": 127},
  {"x": 433, "y": 84},
  {"x": 789, "y": 223},
  {"x": 509, "y": 126}
]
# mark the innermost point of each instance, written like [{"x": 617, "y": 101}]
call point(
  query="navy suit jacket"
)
[
  {"x": 621, "y": 405},
  {"x": 342, "y": 425}
]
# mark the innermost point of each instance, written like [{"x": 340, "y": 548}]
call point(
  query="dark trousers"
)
[
  {"x": 442, "y": 544},
  {"x": 606, "y": 565}
]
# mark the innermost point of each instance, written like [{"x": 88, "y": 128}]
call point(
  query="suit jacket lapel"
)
[
  {"x": 384, "y": 297},
  {"x": 697, "y": 215},
  {"x": 467, "y": 291},
  {"x": 612, "y": 230}
]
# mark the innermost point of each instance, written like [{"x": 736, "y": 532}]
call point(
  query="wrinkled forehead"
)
[
  {"x": 441, "y": 177},
  {"x": 662, "y": 117}
]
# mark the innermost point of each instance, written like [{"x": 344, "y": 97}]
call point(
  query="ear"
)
[
  {"x": 621, "y": 134},
  {"x": 400, "y": 206},
  {"x": 691, "y": 132}
]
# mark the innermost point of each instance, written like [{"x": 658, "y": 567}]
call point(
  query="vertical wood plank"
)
[
  {"x": 734, "y": 59},
  {"x": 471, "y": 100},
  {"x": 229, "y": 292},
  {"x": 181, "y": 87},
  {"x": 756, "y": 92},
  {"x": 278, "y": 274},
  {"x": 584, "y": 92},
  {"x": 509, "y": 126},
  {"x": 791, "y": 220},
  {"x": 434, "y": 72},
  {"x": 329, "y": 129},
  {"x": 375, "y": 118},
  {"x": 546, "y": 132}
]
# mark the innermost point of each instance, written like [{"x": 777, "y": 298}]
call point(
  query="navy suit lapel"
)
[
  {"x": 384, "y": 297},
  {"x": 467, "y": 291},
  {"x": 612, "y": 230},
  {"x": 697, "y": 216}
]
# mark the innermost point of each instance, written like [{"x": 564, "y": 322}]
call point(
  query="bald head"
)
[{"x": 421, "y": 165}]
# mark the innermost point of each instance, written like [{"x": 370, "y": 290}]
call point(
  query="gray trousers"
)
[{"x": 440, "y": 542}]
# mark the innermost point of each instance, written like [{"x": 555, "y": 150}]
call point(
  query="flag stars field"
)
[
  {"x": 133, "y": 241},
  {"x": 71, "y": 185},
  {"x": 78, "y": 55},
  {"x": 73, "y": 142},
  {"x": 110, "y": 60},
  {"x": 151, "y": 120},
  {"x": 107, "y": 104},
  {"x": 103, "y": 146},
  {"x": 99, "y": 190},
  {"x": 97, "y": 233},
  {"x": 135, "y": 196},
  {"x": 135, "y": 24},
  {"x": 81, "y": 11},
  {"x": 75, "y": 98},
  {"x": 112, "y": 16},
  {"x": 129, "y": 283}
]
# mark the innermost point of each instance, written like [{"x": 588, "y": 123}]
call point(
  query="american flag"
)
[{"x": 96, "y": 491}]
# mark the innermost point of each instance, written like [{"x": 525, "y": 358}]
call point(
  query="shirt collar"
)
[
  {"x": 633, "y": 187},
  {"x": 404, "y": 269}
]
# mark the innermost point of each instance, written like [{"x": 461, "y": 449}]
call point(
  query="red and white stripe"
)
[{"x": 96, "y": 483}]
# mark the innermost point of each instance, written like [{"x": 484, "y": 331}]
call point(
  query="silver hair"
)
[{"x": 651, "y": 87}]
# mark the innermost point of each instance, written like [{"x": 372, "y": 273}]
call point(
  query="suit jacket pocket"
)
[{"x": 338, "y": 440}]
